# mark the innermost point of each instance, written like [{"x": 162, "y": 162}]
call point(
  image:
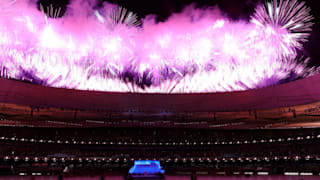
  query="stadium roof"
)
[{"x": 299, "y": 92}]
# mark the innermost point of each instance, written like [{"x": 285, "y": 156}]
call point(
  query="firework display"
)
[{"x": 110, "y": 49}]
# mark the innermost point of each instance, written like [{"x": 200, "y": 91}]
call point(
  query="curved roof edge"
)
[{"x": 298, "y": 92}]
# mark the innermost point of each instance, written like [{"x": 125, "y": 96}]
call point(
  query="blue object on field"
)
[{"x": 146, "y": 167}]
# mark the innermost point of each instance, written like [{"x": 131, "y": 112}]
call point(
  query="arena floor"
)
[{"x": 167, "y": 178}]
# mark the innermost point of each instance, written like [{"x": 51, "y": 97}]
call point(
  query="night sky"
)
[{"x": 235, "y": 9}]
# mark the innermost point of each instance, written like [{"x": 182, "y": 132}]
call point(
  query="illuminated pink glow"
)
[{"x": 198, "y": 50}]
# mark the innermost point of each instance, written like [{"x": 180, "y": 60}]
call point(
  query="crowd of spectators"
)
[
  {"x": 156, "y": 135},
  {"x": 177, "y": 149}
]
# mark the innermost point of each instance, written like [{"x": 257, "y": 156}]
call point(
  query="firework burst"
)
[
  {"x": 51, "y": 11},
  {"x": 120, "y": 15},
  {"x": 290, "y": 15},
  {"x": 115, "y": 15},
  {"x": 197, "y": 50}
]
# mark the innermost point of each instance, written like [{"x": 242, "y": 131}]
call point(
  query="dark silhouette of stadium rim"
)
[{"x": 298, "y": 92}]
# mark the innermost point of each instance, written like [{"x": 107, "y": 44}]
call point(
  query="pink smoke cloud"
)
[{"x": 197, "y": 50}]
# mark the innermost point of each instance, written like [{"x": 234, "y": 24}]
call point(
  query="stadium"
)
[{"x": 92, "y": 90}]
